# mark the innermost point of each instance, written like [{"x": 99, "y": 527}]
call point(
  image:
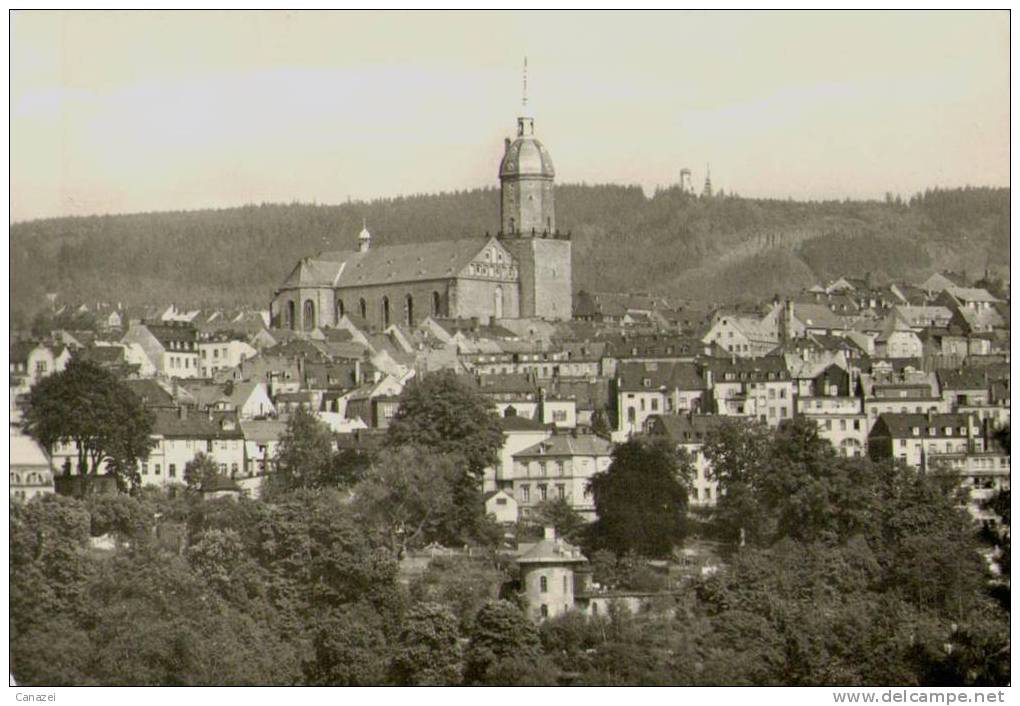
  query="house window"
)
[
  {"x": 155, "y": 469},
  {"x": 525, "y": 493},
  {"x": 545, "y": 609},
  {"x": 363, "y": 308},
  {"x": 655, "y": 405},
  {"x": 561, "y": 492},
  {"x": 543, "y": 492},
  {"x": 543, "y": 584},
  {"x": 172, "y": 470},
  {"x": 145, "y": 469}
]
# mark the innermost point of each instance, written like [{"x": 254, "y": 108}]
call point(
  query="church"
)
[{"x": 524, "y": 271}]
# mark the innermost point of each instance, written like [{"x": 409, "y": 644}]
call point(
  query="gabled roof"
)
[
  {"x": 150, "y": 392},
  {"x": 671, "y": 375},
  {"x": 197, "y": 425},
  {"x": 263, "y": 430},
  {"x": 818, "y": 316},
  {"x": 972, "y": 294},
  {"x": 568, "y": 445},
  {"x": 551, "y": 551},
  {"x": 684, "y": 428},
  {"x": 387, "y": 264},
  {"x": 903, "y": 425},
  {"x": 963, "y": 379}
]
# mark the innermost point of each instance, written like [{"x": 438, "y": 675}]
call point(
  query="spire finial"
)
[{"x": 524, "y": 101}]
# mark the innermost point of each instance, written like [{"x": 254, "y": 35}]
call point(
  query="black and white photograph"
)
[{"x": 509, "y": 348}]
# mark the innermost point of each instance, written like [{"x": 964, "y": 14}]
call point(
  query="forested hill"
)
[{"x": 720, "y": 248}]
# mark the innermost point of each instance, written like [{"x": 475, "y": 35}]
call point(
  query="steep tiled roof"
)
[
  {"x": 818, "y": 316},
  {"x": 684, "y": 428},
  {"x": 569, "y": 445},
  {"x": 903, "y": 425},
  {"x": 196, "y": 425},
  {"x": 671, "y": 375},
  {"x": 386, "y": 264},
  {"x": 150, "y": 393},
  {"x": 963, "y": 379},
  {"x": 263, "y": 430},
  {"x": 971, "y": 294}
]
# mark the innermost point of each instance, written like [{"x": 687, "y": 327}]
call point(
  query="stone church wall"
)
[{"x": 477, "y": 297}]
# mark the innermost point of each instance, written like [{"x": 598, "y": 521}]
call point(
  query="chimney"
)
[{"x": 550, "y": 533}]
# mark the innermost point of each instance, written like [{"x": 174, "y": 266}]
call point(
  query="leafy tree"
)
[
  {"x": 464, "y": 584},
  {"x": 350, "y": 649},
  {"x": 409, "y": 496},
  {"x": 501, "y": 633},
  {"x": 86, "y": 405},
  {"x": 305, "y": 458},
  {"x": 129, "y": 516},
  {"x": 428, "y": 648},
  {"x": 444, "y": 415},
  {"x": 736, "y": 450},
  {"x": 640, "y": 500},
  {"x": 559, "y": 514},
  {"x": 200, "y": 470}
]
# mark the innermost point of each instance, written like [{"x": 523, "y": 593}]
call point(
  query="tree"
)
[
  {"x": 408, "y": 496},
  {"x": 306, "y": 454},
  {"x": 736, "y": 450},
  {"x": 428, "y": 648},
  {"x": 559, "y": 514},
  {"x": 640, "y": 500},
  {"x": 86, "y": 405},
  {"x": 200, "y": 470},
  {"x": 501, "y": 632},
  {"x": 349, "y": 649},
  {"x": 446, "y": 416}
]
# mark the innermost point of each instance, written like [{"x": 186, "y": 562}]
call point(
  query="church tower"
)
[{"x": 528, "y": 222}]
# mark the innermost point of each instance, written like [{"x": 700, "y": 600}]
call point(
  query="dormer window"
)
[
  {"x": 646, "y": 382},
  {"x": 917, "y": 431}
]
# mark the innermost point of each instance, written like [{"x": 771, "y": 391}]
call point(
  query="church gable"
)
[{"x": 493, "y": 261}]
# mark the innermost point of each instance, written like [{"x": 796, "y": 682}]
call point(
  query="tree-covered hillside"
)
[{"x": 721, "y": 248}]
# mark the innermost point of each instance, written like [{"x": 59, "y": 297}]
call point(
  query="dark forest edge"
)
[{"x": 673, "y": 243}]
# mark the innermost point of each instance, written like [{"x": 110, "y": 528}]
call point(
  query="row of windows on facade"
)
[
  {"x": 157, "y": 469},
  {"x": 543, "y": 492},
  {"x": 30, "y": 479},
  {"x": 558, "y": 465},
  {"x": 384, "y": 309},
  {"x": 181, "y": 345}
]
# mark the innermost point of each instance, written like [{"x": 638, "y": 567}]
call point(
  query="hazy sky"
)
[{"x": 119, "y": 112}]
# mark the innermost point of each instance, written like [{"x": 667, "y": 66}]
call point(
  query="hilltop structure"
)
[{"x": 524, "y": 271}]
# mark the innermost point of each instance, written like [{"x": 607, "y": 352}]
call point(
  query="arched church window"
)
[
  {"x": 513, "y": 226},
  {"x": 363, "y": 308},
  {"x": 497, "y": 309},
  {"x": 385, "y": 312},
  {"x": 291, "y": 315},
  {"x": 339, "y": 309},
  {"x": 409, "y": 309},
  {"x": 309, "y": 315},
  {"x": 435, "y": 303}
]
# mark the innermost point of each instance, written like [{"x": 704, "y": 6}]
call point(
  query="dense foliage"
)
[
  {"x": 850, "y": 573},
  {"x": 89, "y": 407},
  {"x": 640, "y": 500},
  {"x": 671, "y": 242}
]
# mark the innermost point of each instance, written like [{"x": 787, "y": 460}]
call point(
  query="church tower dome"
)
[
  {"x": 526, "y": 156},
  {"x": 526, "y": 175},
  {"x": 364, "y": 238}
]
